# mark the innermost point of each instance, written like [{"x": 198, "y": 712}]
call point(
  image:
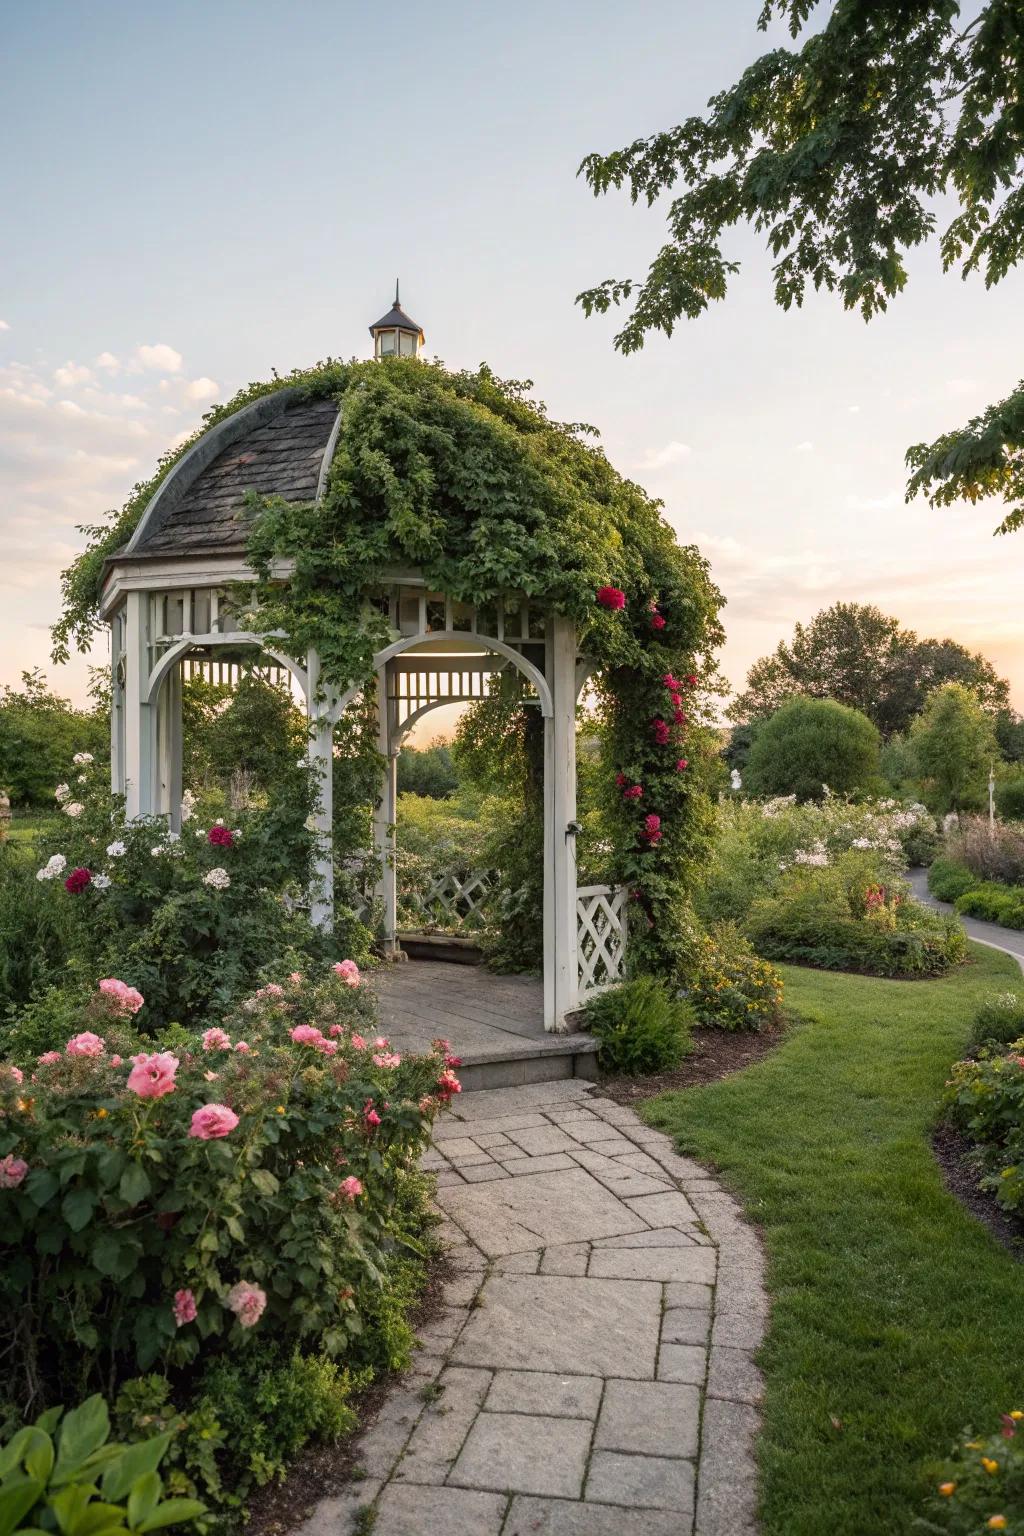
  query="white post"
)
[
  {"x": 386, "y": 891},
  {"x": 138, "y": 734},
  {"x": 167, "y": 766},
  {"x": 320, "y": 751},
  {"x": 116, "y": 704},
  {"x": 561, "y": 977}
]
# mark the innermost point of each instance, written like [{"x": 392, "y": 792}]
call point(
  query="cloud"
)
[
  {"x": 661, "y": 458},
  {"x": 202, "y": 389},
  {"x": 159, "y": 358},
  {"x": 108, "y": 362},
  {"x": 73, "y": 373},
  {"x": 804, "y": 447}
]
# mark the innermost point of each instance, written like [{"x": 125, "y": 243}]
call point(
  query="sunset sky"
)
[{"x": 197, "y": 193}]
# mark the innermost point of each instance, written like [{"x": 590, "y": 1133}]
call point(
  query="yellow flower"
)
[
  {"x": 1015, "y": 1413},
  {"x": 973, "y": 1445},
  {"x": 989, "y": 1465},
  {"x": 947, "y": 1490},
  {"x": 996, "y": 1522},
  {"x": 280, "y": 1109},
  {"x": 101, "y": 1114}
]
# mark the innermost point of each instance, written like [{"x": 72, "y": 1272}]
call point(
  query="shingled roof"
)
[{"x": 276, "y": 446}]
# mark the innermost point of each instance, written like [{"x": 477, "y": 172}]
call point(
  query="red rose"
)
[
  {"x": 657, "y": 621},
  {"x": 220, "y": 837},
  {"x": 77, "y": 881},
  {"x": 611, "y": 597},
  {"x": 635, "y": 792},
  {"x": 660, "y": 732}
]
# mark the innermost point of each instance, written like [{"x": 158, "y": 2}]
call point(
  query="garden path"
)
[
  {"x": 1008, "y": 939},
  {"x": 592, "y": 1371}
]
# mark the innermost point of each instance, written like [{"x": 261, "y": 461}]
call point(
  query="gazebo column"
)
[
  {"x": 117, "y": 704},
  {"x": 138, "y": 720},
  {"x": 167, "y": 757},
  {"x": 384, "y": 817},
  {"x": 561, "y": 975},
  {"x": 320, "y": 752}
]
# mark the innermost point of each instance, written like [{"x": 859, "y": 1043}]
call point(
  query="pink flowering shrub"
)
[{"x": 148, "y": 1214}]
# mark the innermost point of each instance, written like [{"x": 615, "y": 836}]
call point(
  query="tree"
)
[
  {"x": 837, "y": 152},
  {"x": 427, "y": 771},
  {"x": 40, "y": 733},
  {"x": 953, "y": 742},
  {"x": 859, "y": 656},
  {"x": 810, "y": 746}
]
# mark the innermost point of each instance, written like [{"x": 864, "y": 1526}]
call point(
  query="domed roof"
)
[
  {"x": 279, "y": 445},
  {"x": 396, "y": 319}
]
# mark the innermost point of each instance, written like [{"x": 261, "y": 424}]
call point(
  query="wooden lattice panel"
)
[{"x": 601, "y": 927}]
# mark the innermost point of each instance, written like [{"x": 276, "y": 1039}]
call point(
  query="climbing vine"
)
[{"x": 466, "y": 478}]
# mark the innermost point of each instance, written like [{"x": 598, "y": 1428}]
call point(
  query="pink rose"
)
[
  {"x": 657, "y": 621},
  {"x": 358, "y": 1043},
  {"x": 242, "y": 1046},
  {"x": 247, "y": 1301},
  {"x": 85, "y": 1044},
  {"x": 682, "y": 765},
  {"x": 611, "y": 597},
  {"x": 634, "y": 792},
  {"x": 370, "y": 1115},
  {"x": 153, "y": 1076},
  {"x": 12, "y": 1171},
  {"x": 336, "y": 1030},
  {"x": 273, "y": 990},
  {"x": 381, "y": 1043},
  {"x": 387, "y": 1059},
  {"x": 448, "y": 1083},
  {"x": 126, "y": 998},
  {"x": 327, "y": 1047},
  {"x": 295, "y": 977},
  {"x": 350, "y": 1187},
  {"x": 306, "y": 1034},
  {"x": 115, "y": 1060},
  {"x": 216, "y": 1040},
  {"x": 15, "y": 1072},
  {"x": 348, "y": 971},
  {"x": 184, "y": 1308},
  {"x": 48, "y": 1058},
  {"x": 212, "y": 1122}
]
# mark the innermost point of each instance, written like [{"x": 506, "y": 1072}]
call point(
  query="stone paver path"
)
[{"x": 592, "y": 1372}]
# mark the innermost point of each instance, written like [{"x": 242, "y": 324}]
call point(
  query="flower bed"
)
[
  {"x": 985, "y": 1098},
  {"x": 168, "y": 1204}
]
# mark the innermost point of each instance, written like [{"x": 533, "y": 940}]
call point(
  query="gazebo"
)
[{"x": 169, "y": 598}]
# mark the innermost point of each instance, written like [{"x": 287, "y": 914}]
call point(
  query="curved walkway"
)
[
  {"x": 592, "y": 1372},
  {"x": 1009, "y": 939}
]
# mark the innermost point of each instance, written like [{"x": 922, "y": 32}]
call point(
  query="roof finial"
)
[{"x": 397, "y": 304}]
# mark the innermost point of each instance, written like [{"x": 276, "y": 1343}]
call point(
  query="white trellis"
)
[
  {"x": 455, "y": 899},
  {"x": 602, "y": 927}
]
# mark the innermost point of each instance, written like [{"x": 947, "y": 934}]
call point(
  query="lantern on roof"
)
[{"x": 395, "y": 335}]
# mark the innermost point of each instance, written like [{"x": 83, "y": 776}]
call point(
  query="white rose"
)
[
  {"x": 219, "y": 879},
  {"x": 101, "y": 882},
  {"x": 82, "y": 757},
  {"x": 74, "y": 809},
  {"x": 62, "y": 791},
  {"x": 116, "y": 850}
]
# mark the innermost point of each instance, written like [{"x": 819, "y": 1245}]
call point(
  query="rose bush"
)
[
  {"x": 985, "y": 1098},
  {"x": 162, "y": 1206}
]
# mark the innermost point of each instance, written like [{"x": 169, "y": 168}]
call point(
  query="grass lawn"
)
[{"x": 894, "y": 1312}]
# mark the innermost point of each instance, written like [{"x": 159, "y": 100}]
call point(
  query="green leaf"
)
[
  {"x": 83, "y": 1431},
  {"x": 134, "y": 1185},
  {"x": 16, "y": 1499},
  {"x": 70, "y": 1505},
  {"x": 173, "y": 1512},
  {"x": 144, "y": 1498},
  {"x": 264, "y": 1181},
  {"x": 39, "y": 1455},
  {"x": 133, "y": 1463},
  {"x": 77, "y": 1208},
  {"x": 97, "y": 1517},
  {"x": 108, "y": 1253},
  {"x": 41, "y": 1186}
]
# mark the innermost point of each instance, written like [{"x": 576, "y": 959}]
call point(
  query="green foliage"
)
[
  {"x": 982, "y": 1482},
  {"x": 1010, "y": 796},
  {"x": 993, "y": 903},
  {"x": 33, "y": 931},
  {"x": 998, "y": 1021},
  {"x": 809, "y": 747},
  {"x": 985, "y": 1098},
  {"x": 991, "y": 852},
  {"x": 1010, "y": 735},
  {"x": 904, "y": 100},
  {"x": 642, "y": 1027},
  {"x": 428, "y": 771},
  {"x": 115, "y": 1202},
  {"x": 65, "y": 1474},
  {"x": 838, "y": 918},
  {"x": 953, "y": 744},
  {"x": 948, "y": 879},
  {"x": 247, "y": 738},
  {"x": 730, "y": 987},
  {"x": 858, "y": 656},
  {"x": 39, "y": 734}
]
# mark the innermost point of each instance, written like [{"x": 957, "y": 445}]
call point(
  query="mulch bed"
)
[
  {"x": 954, "y": 1155},
  {"x": 716, "y": 1053},
  {"x": 323, "y": 1470}
]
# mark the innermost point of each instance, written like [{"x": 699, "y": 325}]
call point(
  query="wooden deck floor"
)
[{"x": 488, "y": 1019}]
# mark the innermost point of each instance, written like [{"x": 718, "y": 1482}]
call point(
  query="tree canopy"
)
[
  {"x": 811, "y": 747},
  {"x": 859, "y": 656},
  {"x": 953, "y": 743},
  {"x": 838, "y": 153},
  {"x": 40, "y": 733}
]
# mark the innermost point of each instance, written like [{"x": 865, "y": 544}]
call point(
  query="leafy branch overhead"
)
[{"x": 836, "y": 152}]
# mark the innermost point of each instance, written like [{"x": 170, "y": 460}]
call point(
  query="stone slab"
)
[
  {"x": 342, "y": 1514},
  {"x": 683, "y": 1362},
  {"x": 519, "y": 1214},
  {"x": 668, "y": 1210},
  {"x": 565, "y": 1259},
  {"x": 438, "y": 1436},
  {"x": 641, "y": 1482},
  {"x": 685, "y": 1325},
  {"x": 560, "y": 1517},
  {"x": 651, "y": 1418},
  {"x": 728, "y": 1473},
  {"x": 545, "y": 1392},
  {"x": 550, "y": 1162},
  {"x": 732, "y": 1374},
  {"x": 594, "y": 1327},
  {"x": 528, "y": 1452},
  {"x": 539, "y": 1142},
  {"x": 404, "y": 1511},
  {"x": 657, "y": 1237},
  {"x": 694, "y": 1264}
]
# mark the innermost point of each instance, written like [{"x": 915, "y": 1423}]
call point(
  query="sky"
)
[{"x": 197, "y": 193}]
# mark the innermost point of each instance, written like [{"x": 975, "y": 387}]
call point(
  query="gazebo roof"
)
[
  {"x": 279, "y": 445},
  {"x": 396, "y": 319}
]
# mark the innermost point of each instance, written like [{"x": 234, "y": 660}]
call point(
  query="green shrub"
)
[
  {"x": 986, "y": 1100},
  {"x": 810, "y": 747},
  {"x": 731, "y": 988},
  {"x": 1010, "y": 796},
  {"x": 998, "y": 1021},
  {"x": 64, "y": 1474},
  {"x": 994, "y": 903},
  {"x": 833, "y": 918},
  {"x": 642, "y": 1027},
  {"x": 34, "y": 930},
  {"x": 991, "y": 852},
  {"x": 980, "y": 1488},
  {"x": 948, "y": 879},
  {"x": 157, "y": 1211}
]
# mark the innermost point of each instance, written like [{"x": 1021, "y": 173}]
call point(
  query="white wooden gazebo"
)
[{"x": 168, "y": 600}]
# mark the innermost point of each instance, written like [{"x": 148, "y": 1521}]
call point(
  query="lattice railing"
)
[
  {"x": 601, "y": 933},
  {"x": 454, "y": 901}
]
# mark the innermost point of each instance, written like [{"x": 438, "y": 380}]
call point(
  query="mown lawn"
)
[{"x": 896, "y": 1318}]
